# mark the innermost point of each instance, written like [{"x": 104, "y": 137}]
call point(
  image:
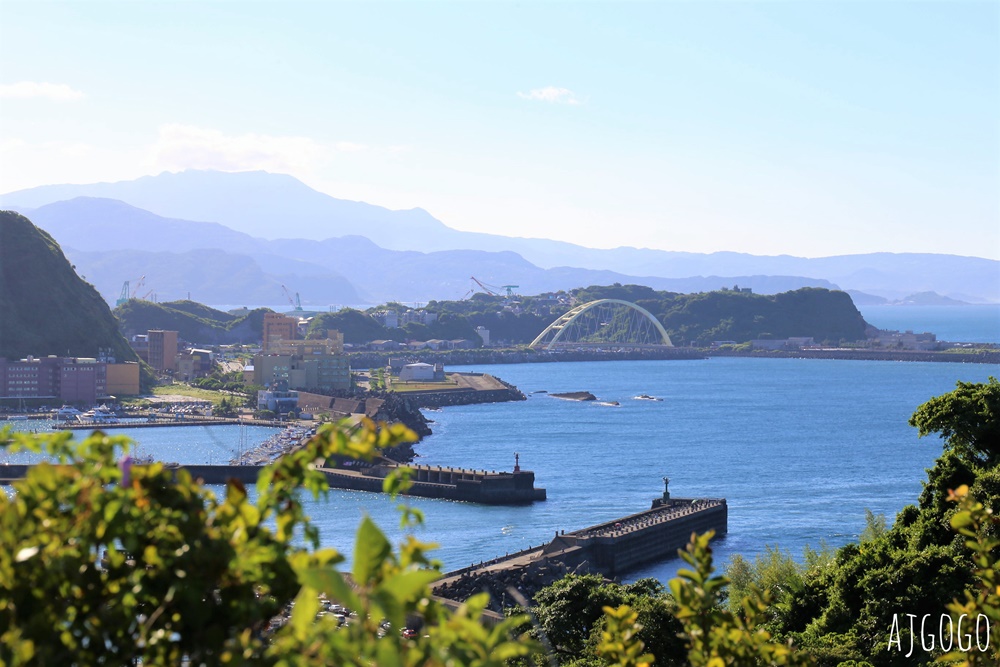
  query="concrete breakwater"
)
[
  {"x": 209, "y": 474},
  {"x": 523, "y": 356},
  {"x": 984, "y": 357},
  {"x": 165, "y": 423},
  {"x": 474, "y": 486},
  {"x": 609, "y": 549},
  {"x": 465, "y": 395}
]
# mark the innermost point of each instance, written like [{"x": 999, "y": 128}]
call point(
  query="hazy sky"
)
[{"x": 806, "y": 128}]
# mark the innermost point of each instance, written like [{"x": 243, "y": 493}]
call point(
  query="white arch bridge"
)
[{"x": 604, "y": 323}]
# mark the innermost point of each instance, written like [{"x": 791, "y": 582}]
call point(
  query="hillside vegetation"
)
[
  {"x": 192, "y": 321},
  {"x": 827, "y": 316},
  {"x": 47, "y": 308}
]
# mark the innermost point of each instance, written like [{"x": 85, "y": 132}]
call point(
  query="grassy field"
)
[
  {"x": 193, "y": 392},
  {"x": 402, "y": 387}
]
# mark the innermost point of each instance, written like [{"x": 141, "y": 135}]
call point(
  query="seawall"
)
[
  {"x": 519, "y": 356},
  {"x": 465, "y": 396},
  {"x": 866, "y": 355},
  {"x": 211, "y": 474},
  {"x": 610, "y": 549},
  {"x": 618, "y": 546},
  {"x": 473, "y": 486}
]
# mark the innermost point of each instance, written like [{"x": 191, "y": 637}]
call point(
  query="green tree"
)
[
  {"x": 981, "y": 525},
  {"x": 571, "y": 616},
  {"x": 968, "y": 419},
  {"x": 716, "y": 636},
  {"x": 103, "y": 563},
  {"x": 843, "y": 609}
]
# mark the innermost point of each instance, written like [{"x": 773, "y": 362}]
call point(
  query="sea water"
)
[
  {"x": 979, "y": 323},
  {"x": 799, "y": 448}
]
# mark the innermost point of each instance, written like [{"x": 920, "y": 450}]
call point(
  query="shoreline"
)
[
  {"x": 491, "y": 356},
  {"x": 867, "y": 355}
]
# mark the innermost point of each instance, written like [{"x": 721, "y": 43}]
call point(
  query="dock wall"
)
[
  {"x": 619, "y": 551},
  {"x": 621, "y": 545},
  {"x": 610, "y": 549},
  {"x": 449, "y": 484},
  {"x": 207, "y": 473}
]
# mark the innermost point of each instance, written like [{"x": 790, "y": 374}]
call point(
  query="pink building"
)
[{"x": 67, "y": 379}]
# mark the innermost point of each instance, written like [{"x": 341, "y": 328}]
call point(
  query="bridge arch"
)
[{"x": 640, "y": 319}]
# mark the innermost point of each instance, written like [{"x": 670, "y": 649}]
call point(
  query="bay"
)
[
  {"x": 978, "y": 323},
  {"x": 799, "y": 447}
]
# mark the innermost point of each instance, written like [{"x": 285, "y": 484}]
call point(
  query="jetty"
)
[
  {"x": 474, "y": 486},
  {"x": 160, "y": 422},
  {"x": 609, "y": 549}
]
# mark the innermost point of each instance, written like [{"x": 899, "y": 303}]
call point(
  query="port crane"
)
[
  {"x": 296, "y": 303},
  {"x": 492, "y": 289},
  {"x": 127, "y": 293}
]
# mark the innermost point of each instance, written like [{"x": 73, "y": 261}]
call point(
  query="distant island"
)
[{"x": 918, "y": 299}]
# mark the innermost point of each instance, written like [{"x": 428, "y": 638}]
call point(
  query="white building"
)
[
  {"x": 418, "y": 372},
  {"x": 484, "y": 333}
]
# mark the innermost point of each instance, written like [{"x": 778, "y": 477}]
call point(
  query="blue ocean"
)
[
  {"x": 979, "y": 323},
  {"x": 800, "y": 448}
]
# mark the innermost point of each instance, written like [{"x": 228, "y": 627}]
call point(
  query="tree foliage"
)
[
  {"x": 968, "y": 419},
  {"x": 842, "y": 610},
  {"x": 981, "y": 525},
  {"x": 102, "y": 563},
  {"x": 715, "y": 635},
  {"x": 192, "y": 321},
  {"x": 571, "y": 616}
]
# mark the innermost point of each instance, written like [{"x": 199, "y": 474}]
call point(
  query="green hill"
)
[
  {"x": 46, "y": 307},
  {"x": 192, "y": 321},
  {"x": 827, "y": 316},
  {"x": 700, "y": 318},
  {"x": 728, "y": 314}
]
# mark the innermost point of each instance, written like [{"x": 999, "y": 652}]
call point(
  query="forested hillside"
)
[
  {"x": 192, "y": 321},
  {"x": 727, "y": 314},
  {"x": 360, "y": 327},
  {"x": 46, "y": 307}
]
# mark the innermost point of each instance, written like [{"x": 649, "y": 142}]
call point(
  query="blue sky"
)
[{"x": 804, "y": 128}]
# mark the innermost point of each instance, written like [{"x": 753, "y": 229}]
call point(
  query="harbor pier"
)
[
  {"x": 474, "y": 486},
  {"x": 609, "y": 549}
]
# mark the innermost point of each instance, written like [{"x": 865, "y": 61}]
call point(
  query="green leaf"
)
[
  {"x": 304, "y": 614},
  {"x": 371, "y": 549},
  {"x": 329, "y": 581},
  {"x": 406, "y": 585}
]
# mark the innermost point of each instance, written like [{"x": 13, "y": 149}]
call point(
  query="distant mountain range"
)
[{"x": 238, "y": 237}]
